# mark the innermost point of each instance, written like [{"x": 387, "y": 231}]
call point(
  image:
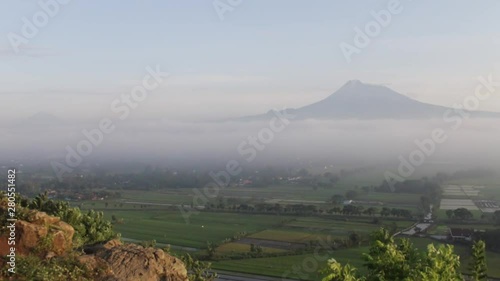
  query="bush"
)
[
  {"x": 56, "y": 269},
  {"x": 90, "y": 227}
]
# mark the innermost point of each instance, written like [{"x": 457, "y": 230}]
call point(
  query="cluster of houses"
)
[
  {"x": 76, "y": 196},
  {"x": 291, "y": 180},
  {"x": 462, "y": 234}
]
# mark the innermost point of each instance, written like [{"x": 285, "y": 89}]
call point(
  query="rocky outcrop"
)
[
  {"x": 131, "y": 262},
  {"x": 41, "y": 234},
  {"x": 48, "y": 237}
]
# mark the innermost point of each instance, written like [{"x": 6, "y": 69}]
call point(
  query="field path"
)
[{"x": 232, "y": 276}]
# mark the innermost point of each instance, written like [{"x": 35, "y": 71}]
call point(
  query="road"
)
[{"x": 232, "y": 276}]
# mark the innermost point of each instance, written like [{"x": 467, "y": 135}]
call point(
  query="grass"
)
[
  {"x": 287, "y": 236},
  {"x": 343, "y": 227},
  {"x": 438, "y": 230},
  {"x": 279, "y": 192},
  {"x": 243, "y": 248},
  {"x": 305, "y": 267},
  {"x": 307, "y": 193},
  {"x": 441, "y": 214},
  {"x": 170, "y": 227},
  {"x": 167, "y": 196},
  {"x": 277, "y": 267}
]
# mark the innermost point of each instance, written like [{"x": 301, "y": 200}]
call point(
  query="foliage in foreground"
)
[
  {"x": 66, "y": 268},
  {"x": 478, "y": 265},
  {"x": 391, "y": 261},
  {"x": 90, "y": 227},
  {"x": 198, "y": 270}
]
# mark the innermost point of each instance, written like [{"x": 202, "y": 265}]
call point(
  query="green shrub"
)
[{"x": 56, "y": 269}]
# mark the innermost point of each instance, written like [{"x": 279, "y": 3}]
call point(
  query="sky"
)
[{"x": 256, "y": 56}]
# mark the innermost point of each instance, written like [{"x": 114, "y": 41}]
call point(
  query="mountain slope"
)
[
  {"x": 356, "y": 100},
  {"x": 41, "y": 119}
]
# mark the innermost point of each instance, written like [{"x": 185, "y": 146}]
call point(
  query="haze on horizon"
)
[{"x": 260, "y": 56}]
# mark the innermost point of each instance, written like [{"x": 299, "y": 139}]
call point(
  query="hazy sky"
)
[{"x": 263, "y": 54}]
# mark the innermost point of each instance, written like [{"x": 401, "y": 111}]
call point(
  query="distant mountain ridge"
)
[
  {"x": 41, "y": 119},
  {"x": 357, "y": 100}
]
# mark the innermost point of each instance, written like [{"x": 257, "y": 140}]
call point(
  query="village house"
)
[{"x": 461, "y": 234}]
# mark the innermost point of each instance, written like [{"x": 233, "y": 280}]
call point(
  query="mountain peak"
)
[
  {"x": 354, "y": 82},
  {"x": 355, "y": 87},
  {"x": 360, "y": 100}
]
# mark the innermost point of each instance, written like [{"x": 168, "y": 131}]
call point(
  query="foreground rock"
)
[
  {"x": 41, "y": 234},
  {"x": 131, "y": 262},
  {"x": 48, "y": 237}
]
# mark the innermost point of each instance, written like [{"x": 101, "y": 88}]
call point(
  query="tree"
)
[
  {"x": 331, "y": 177},
  {"x": 255, "y": 249},
  {"x": 371, "y": 211},
  {"x": 449, "y": 214},
  {"x": 337, "y": 199},
  {"x": 278, "y": 208},
  {"x": 335, "y": 210},
  {"x": 425, "y": 203},
  {"x": 303, "y": 172},
  {"x": 359, "y": 210},
  {"x": 385, "y": 212},
  {"x": 355, "y": 239},
  {"x": 350, "y": 210},
  {"x": 40, "y": 201},
  {"x": 441, "y": 264},
  {"x": 463, "y": 214},
  {"x": 336, "y": 272},
  {"x": 211, "y": 249},
  {"x": 496, "y": 217},
  {"x": 351, "y": 194},
  {"x": 387, "y": 260},
  {"x": 478, "y": 265},
  {"x": 198, "y": 270},
  {"x": 90, "y": 228},
  {"x": 395, "y": 212}
]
